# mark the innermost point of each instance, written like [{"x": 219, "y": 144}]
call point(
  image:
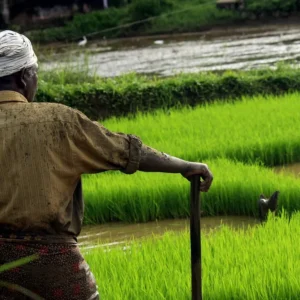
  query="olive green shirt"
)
[{"x": 44, "y": 150}]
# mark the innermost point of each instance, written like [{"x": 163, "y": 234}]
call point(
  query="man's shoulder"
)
[
  {"x": 56, "y": 107},
  {"x": 55, "y": 111}
]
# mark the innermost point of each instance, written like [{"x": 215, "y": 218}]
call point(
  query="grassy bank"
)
[
  {"x": 102, "y": 98},
  {"x": 253, "y": 130},
  {"x": 247, "y": 265}
]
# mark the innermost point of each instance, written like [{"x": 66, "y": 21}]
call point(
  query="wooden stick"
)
[{"x": 195, "y": 234}]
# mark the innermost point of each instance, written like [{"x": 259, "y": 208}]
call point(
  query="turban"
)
[{"x": 16, "y": 53}]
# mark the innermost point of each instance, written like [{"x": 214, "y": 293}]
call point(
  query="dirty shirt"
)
[{"x": 45, "y": 148}]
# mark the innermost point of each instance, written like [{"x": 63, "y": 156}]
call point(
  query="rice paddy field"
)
[
  {"x": 262, "y": 262},
  {"x": 240, "y": 142}
]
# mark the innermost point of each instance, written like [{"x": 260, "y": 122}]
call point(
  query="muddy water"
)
[
  {"x": 239, "y": 49},
  {"x": 292, "y": 169},
  {"x": 119, "y": 234}
]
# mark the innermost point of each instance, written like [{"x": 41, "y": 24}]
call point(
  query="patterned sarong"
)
[{"x": 59, "y": 273}]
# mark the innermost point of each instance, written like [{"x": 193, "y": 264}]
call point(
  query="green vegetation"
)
[
  {"x": 18, "y": 263},
  {"x": 101, "y": 98},
  {"x": 166, "y": 16},
  {"x": 193, "y": 19},
  {"x": 162, "y": 16},
  {"x": 15, "y": 264},
  {"x": 143, "y": 9},
  {"x": 144, "y": 197},
  {"x": 260, "y": 263},
  {"x": 272, "y": 7},
  {"x": 81, "y": 25},
  {"x": 259, "y": 130}
]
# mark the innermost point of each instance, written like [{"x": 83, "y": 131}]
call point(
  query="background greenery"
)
[
  {"x": 170, "y": 15},
  {"x": 167, "y": 16}
]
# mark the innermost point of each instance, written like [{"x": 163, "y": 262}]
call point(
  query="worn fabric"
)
[
  {"x": 16, "y": 53},
  {"x": 59, "y": 273},
  {"x": 44, "y": 150}
]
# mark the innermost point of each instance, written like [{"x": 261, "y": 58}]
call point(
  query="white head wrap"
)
[{"x": 16, "y": 53}]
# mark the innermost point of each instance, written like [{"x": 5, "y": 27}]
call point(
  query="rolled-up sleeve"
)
[{"x": 96, "y": 149}]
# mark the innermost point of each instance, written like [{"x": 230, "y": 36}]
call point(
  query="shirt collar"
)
[{"x": 11, "y": 96}]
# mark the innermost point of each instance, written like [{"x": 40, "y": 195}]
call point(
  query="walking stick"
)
[{"x": 195, "y": 234}]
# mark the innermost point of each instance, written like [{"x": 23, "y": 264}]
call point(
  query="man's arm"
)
[
  {"x": 96, "y": 149},
  {"x": 155, "y": 161}
]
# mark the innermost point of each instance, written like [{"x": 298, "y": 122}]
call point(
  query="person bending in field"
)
[{"x": 45, "y": 148}]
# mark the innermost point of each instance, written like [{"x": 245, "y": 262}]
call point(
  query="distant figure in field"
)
[{"x": 265, "y": 205}]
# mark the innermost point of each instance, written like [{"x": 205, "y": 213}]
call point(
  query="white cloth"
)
[{"x": 16, "y": 53}]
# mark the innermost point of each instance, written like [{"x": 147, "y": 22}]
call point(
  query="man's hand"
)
[{"x": 202, "y": 170}]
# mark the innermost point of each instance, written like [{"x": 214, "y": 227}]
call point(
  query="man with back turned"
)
[{"x": 45, "y": 148}]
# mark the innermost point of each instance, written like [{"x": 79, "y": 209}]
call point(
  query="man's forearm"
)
[{"x": 155, "y": 161}]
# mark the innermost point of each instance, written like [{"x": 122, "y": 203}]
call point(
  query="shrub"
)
[
  {"x": 143, "y": 9},
  {"x": 130, "y": 94},
  {"x": 82, "y": 25},
  {"x": 268, "y": 7}
]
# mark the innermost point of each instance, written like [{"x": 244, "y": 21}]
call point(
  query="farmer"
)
[{"x": 45, "y": 148}]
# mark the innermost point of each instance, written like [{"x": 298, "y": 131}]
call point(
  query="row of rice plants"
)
[
  {"x": 254, "y": 129},
  {"x": 143, "y": 197},
  {"x": 262, "y": 262}
]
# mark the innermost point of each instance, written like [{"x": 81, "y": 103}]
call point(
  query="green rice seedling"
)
[
  {"x": 14, "y": 264},
  {"x": 143, "y": 197},
  {"x": 260, "y": 129},
  {"x": 18, "y": 263},
  {"x": 262, "y": 262}
]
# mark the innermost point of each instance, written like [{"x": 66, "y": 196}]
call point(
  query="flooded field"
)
[
  {"x": 117, "y": 234},
  {"x": 235, "y": 49}
]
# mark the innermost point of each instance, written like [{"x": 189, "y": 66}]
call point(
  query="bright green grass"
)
[
  {"x": 259, "y": 129},
  {"x": 260, "y": 263},
  {"x": 251, "y": 130},
  {"x": 144, "y": 196}
]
